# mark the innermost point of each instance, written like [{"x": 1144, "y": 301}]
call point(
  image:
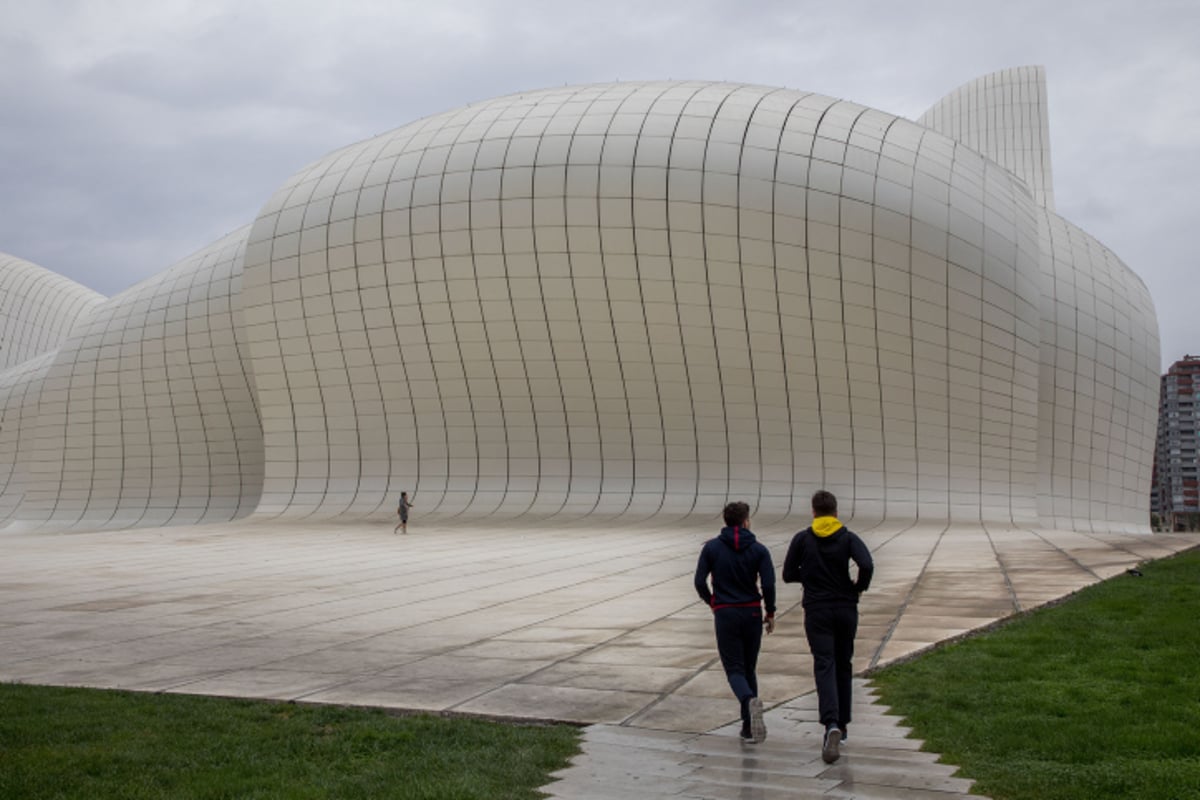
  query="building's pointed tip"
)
[{"x": 1003, "y": 115}]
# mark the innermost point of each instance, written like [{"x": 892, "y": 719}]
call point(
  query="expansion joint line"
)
[
  {"x": 887, "y": 637},
  {"x": 1114, "y": 545},
  {"x": 668, "y": 548},
  {"x": 1012, "y": 592},
  {"x": 1083, "y": 567}
]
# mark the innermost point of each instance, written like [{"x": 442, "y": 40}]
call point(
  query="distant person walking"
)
[
  {"x": 402, "y": 512},
  {"x": 738, "y": 564},
  {"x": 819, "y": 558}
]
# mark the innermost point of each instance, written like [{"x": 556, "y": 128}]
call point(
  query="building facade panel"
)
[
  {"x": 1098, "y": 387},
  {"x": 589, "y": 293},
  {"x": 37, "y": 309},
  {"x": 638, "y": 299},
  {"x": 146, "y": 414},
  {"x": 20, "y": 401},
  {"x": 1004, "y": 116}
]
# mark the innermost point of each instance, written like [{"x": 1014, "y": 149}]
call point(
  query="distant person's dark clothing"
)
[
  {"x": 743, "y": 581},
  {"x": 402, "y": 511},
  {"x": 819, "y": 558}
]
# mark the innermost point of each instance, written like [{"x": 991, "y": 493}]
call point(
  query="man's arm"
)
[
  {"x": 766, "y": 577},
  {"x": 866, "y": 566},
  {"x": 791, "y": 562},
  {"x": 701, "y": 579}
]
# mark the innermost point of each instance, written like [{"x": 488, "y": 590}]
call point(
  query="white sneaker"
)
[
  {"x": 829, "y": 748},
  {"x": 758, "y": 728}
]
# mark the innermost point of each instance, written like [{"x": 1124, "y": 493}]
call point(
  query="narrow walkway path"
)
[{"x": 878, "y": 762}]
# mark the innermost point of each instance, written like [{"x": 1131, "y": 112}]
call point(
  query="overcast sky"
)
[{"x": 135, "y": 132}]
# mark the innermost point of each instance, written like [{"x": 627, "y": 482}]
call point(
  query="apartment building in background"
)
[{"x": 1175, "y": 496}]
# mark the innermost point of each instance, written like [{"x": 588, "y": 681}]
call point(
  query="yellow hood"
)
[{"x": 826, "y": 526}]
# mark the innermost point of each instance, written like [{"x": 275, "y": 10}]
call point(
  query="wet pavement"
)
[{"x": 586, "y": 622}]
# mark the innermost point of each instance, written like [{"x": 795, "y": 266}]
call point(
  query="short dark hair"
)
[
  {"x": 736, "y": 513},
  {"x": 824, "y": 504}
]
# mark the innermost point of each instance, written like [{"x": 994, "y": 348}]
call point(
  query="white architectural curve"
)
[
  {"x": 649, "y": 298},
  {"x": 637, "y": 299},
  {"x": 1004, "y": 116},
  {"x": 20, "y": 392},
  {"x": 1098, "y": 392},
  {"x": 146, "y": 414},
  {"x": 37, "y": 309}
]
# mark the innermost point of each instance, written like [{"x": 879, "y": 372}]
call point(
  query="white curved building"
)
[
  {"x": 145, "y": 413},
  {"x": 1099, "y": 356},
  {"x": 37, "y": 309},
  {"x": 634, "y": 298}
]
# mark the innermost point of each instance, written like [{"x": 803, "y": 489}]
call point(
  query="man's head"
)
[
  {"x": 824, "y": 504},
  {"x": 736, "y": 514}
]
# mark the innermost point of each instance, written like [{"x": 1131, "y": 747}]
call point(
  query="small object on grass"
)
[{"x": 1135, "y": 572}]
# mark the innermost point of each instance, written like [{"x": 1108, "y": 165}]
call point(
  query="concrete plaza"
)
[{"x": 591, "y": 622}]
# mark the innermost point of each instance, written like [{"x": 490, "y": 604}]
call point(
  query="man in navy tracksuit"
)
[
  {"x": 819, "y": 557},
  {"x": 738, "y": 564}
]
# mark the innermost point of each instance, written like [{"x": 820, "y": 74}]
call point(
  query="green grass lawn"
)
[
  {"x": 1098, "y": 697},
  {"x": 82, "y": 743}
]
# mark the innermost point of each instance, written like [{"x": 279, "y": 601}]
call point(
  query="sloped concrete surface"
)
[{"x": 591, "y": 623}]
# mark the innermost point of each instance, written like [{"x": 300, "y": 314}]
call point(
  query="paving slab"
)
[
  {"x": 880, "y": 761},
  {"x": 591, "y": 621}
]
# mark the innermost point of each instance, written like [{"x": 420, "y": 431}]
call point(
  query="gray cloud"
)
[{"x": 132, "y": 134}]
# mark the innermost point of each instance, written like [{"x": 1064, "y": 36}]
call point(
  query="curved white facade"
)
[
  {"x": 636, "y": 298},
  {"x": 37, "y": 309},
  {"x": 145, "y": 414},
  {"x": 1098, "y": 391},
  {"x": 1004, "y": 116}
]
